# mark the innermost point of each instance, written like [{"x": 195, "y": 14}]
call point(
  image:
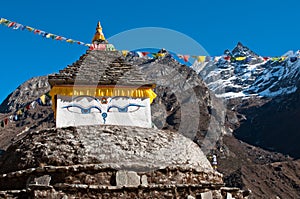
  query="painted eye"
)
[
  {"x": 85, "y": 111},
  {"x": 81, "y": 110},
  {"x": 126, "y": 109}
]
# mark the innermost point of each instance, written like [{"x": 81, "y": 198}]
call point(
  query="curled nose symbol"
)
[{"x": 104, "y": 115}]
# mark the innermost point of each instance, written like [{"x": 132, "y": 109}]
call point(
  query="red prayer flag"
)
[
  {"x": 36, "y": 31},
  {"x": 6, "y": 121},
  {"x": 11, "y": 24},
  {"x": 28, "y": 106},
  {"x": 227, "y": 58},
  {"x": 145, "y": 53},
  {"x": 186, "y": 58}
]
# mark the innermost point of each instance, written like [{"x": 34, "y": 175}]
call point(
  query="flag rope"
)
[
  {"x": 185, "y": 58},
  {"x": 18, "y": 26}
]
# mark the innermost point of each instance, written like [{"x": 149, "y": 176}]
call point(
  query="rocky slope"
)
[
  {"x": 27, "y": 92},
  {"x": 266, "y": 174},
  {"x": 273, "y": 125}
]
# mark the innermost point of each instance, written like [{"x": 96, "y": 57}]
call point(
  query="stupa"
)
[
  {"x": 109, "y": 151},
  {"x": 101, "y": 88}
]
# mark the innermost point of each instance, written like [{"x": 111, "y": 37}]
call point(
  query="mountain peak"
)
[{"x": 242, "y": 50}]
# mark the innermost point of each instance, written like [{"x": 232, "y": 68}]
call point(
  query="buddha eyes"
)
[
  {"x": 74, "y": 108},
  {"x": 128, "y": 108}
]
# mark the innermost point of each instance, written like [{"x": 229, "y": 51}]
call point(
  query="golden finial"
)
[{"x": 99, "y": 36}]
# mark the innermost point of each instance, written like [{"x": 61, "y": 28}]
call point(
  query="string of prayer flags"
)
[
  {"x": 18, "y": 26},
  {"x": 109, "y": 47},
  {"x": 44, "y": 100}
]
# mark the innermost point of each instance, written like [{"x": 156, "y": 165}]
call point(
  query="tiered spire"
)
[{"x": 99, "y": 36}]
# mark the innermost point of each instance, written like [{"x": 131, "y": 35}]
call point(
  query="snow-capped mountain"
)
[
  {"x": 243, "y": 73},
  {"x": 261, "y": 95}
]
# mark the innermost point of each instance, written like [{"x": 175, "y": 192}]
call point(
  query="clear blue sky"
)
[{"x": 270, "y": 28}]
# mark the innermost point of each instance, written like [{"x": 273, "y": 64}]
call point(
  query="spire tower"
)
[{"x": 99, "y": 36}]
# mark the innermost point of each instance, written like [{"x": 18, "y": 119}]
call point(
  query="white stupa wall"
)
[{"x": 88, "y": 110}]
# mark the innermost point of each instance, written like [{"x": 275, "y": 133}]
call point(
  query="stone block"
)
[
  {"x": 190, "y": 197},
  {"x": 127, "y": 178},
  {"x": 43, "y": 180},
  {"x": 206, "y": 195},
  {"x": 144, "y": 180},
  {"x": 133, "y": 179},
  {"x": 229, "y": 196}
]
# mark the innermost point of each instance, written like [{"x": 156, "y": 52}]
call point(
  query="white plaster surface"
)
[{"x": 69, "y": 111}]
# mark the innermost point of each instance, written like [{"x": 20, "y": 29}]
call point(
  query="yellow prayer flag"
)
[
  {"x": 282, "y": 58},
  {"x": 19, "y": 112},
  {"x": 2, "y": 20},
  {"x": 275, "y": 58},
  {"x": 240, "y": 58},
  {"x": 124, "y": 53},
  {"x": 29, "y": 28},
  {"x": 43, "y": 99},
  {"x": 201, "y": 58},
  {"x": 69, "y": 41},
  {"x": 160, "y": 54}
]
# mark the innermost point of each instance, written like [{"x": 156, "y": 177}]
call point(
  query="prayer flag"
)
[
  {"x": 36, "y": 31},
  {"x": 43, "y": 99},
  {"x": 201, "y": 58},
  {"x": 227, "y": 58},
  {"x": 145, "y": 53},
  {"x": 32, "y": 104},
  {"x": 11, "y": 24},
  {"x": 69, "y": 41},
  {"x": 28, "y": 106},
  {"x": 240, "y": 58},
  {"x": 42, "y": 33},
  {"x": 29, "y": 28},
  {"x": 11, "y": 118},
  {"x": 266, "y": 58},
  {"x": 2, "y": 20},
  {"x": 17, "y": 26},
  {"x": 19, "y": 112},
  {"x": 186, "y": 58},
  {"x": 52, "y": 36},
  {"x": 124, "y": 52}
]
